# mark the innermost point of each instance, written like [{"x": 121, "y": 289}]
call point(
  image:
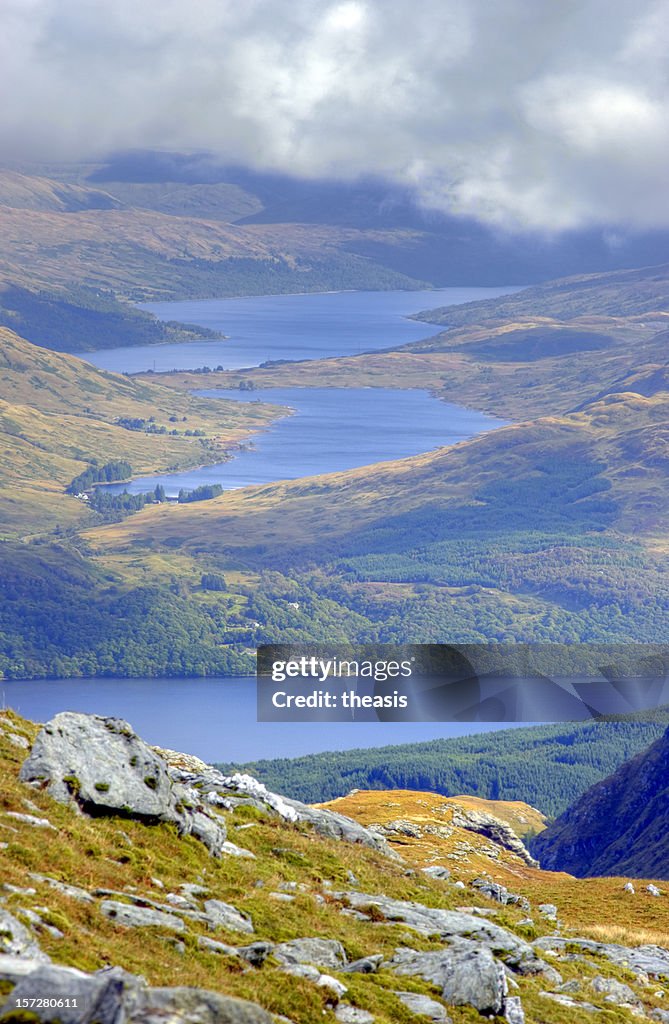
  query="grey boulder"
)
[
  {"x": 194, "y": 1006},
  {"x": 466, "y": 972},
  {"x": 130, "y": 916},
  {"x": 513, "y": 1010},
  {"x": 423, "y": 1006},
  {"x": 437, "y": 871},
  {"x": 614, "y": 991},
  {"x": 102, "y": 766},
  {"x": 652, "y": 960},
  {"x": 365, "y": 965},
  {"x": 112, "y": 996},
  {"x": 224, "y": 915},
  {"x": 347, "y": 1014},
  {"x": 16, "y": 940},
  {"x": 95, "y": 997},
  {"x": 327, "y": 953}
]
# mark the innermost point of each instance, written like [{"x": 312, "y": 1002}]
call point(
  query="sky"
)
[{"x": 539, "y": 114}]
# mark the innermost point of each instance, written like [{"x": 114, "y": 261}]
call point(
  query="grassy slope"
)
[
  {"x": 644, "y": 290},
  {"x": 81, "y": 320},
  {"x": 596, "y": 908},
  {"x": 619, "y": 438},
  {"x": 126, "y": 855},
  {"x": 57, "y": 413},
  {"x": 147, "y": 253}
]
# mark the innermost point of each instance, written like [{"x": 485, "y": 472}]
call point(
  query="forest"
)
[{"x": 547, "y": 766}]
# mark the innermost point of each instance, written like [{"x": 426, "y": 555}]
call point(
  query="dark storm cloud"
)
[{"x": 522, "y": 112}]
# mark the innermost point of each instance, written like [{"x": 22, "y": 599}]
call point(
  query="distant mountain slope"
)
[
  {"x": 548, "y": 531},
  {"x": 75, "y": 319},
  {"x": 418, "y": 242},
  {"x": 28, "y": 192},
  {"x": 546, "y": 766},
  {"x": 57, "y": 235},
  {"x": 618, "y": 827},
  {"x": 613, "y": 293}
]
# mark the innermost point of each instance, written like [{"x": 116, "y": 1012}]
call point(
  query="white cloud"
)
[{"x": 545, "y": 114}]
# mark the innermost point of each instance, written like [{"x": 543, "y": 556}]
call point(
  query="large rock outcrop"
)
[
  {"x": 620, "y": 826},
  {"x": 492, "y": 828},
  {"x": 103, "y": 767}
]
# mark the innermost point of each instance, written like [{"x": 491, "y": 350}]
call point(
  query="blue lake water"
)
[
  {"x": 213, "y": 718},
  {"x": 289, "y": 327},
  {"x": 332, "y": 429}
]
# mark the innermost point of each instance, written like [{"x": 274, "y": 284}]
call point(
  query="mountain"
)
[
  {"x": 119, "y": 248},
  {"x": 417, "y": 242},
  {"x": 147, "y": 886},
  {"x": 33, "y": 192},
  {"x": 184, "y": 225},
  {"x": 619, "y": 826}
]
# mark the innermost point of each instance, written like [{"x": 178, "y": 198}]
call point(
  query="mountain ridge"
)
[{"x": 619, "y": 825}]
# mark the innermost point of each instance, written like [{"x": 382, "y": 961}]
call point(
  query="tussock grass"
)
[{"x": 127, "y": 856}]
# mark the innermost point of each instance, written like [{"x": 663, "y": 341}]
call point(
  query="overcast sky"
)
[{"x": 543, "y": 113}]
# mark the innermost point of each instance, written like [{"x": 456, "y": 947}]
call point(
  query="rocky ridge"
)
[{"x": 404, "y": 949}]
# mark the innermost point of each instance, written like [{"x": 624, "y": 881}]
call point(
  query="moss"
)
[
  {"x": 246, "y": 812},
  {"x": 73, "y": 784},
  {"x": 57, "y": 919},
  {"x": 151, "y": 781},
  {"x": 24, "y": 1017},
  {"x": 102, "y": 787}
]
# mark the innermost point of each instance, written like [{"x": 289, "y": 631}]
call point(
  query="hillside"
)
[
  {"x": 35, "y": 192},
  {"x": 58, "y": 414},
  {"x": 94, "y": 241},
  {"x": 550, "y": 530},
  {"x": 547, "y": 766},
  {"x": 643, "y": 290},
  {"x": 619, "y": 825},
  {"x": 77, "y": 319},
  {"x": 214, "y": 890}
]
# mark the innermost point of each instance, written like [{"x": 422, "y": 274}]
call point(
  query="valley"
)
[
  {"x": 334, "y": 477},
  {"x": 549, "y": 528}
]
